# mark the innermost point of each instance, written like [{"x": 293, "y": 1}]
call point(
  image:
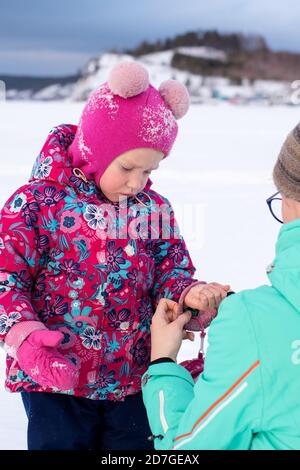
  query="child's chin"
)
[{"x": 116, "y": 197}]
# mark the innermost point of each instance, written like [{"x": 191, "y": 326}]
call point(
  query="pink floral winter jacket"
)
[{"x": 59, "y": 267}]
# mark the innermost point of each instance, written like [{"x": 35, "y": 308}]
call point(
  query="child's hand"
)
[{"x": 206, "y": 296}]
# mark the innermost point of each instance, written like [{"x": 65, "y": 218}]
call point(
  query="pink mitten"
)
[
  {"x": 194, "y": 366},
  {"x": 39, "y": 358}
]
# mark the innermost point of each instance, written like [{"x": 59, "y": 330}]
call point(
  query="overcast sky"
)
[{"x": 57, "y": 37}]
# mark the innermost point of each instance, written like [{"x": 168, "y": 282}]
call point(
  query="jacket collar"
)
[
  {"x": 53, "y": 163},
  {"x": 285, "y": 269}
]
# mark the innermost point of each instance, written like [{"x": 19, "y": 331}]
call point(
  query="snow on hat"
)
[
  {"x": 127, "y": 113},
  {"x": 286, "y": 173}
]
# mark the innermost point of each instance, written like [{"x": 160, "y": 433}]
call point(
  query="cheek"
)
[
  {"x": 287, "y": 213},
  {"x": 111, "y": 182},
  {"x": 283, "y": 213}
]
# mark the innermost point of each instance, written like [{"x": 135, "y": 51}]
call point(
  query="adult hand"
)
[{"x": 167, "y": 330}]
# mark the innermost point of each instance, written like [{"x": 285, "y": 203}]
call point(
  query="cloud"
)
[{"x": 90, "y": 26}]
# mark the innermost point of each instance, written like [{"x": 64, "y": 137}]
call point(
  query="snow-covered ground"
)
[{"x": 217, "y": 178}]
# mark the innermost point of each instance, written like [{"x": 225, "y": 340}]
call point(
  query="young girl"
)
[{"x": 88, "y": 249}]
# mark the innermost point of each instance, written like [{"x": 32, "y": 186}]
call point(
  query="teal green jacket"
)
[{"x": 248, "y": 396}]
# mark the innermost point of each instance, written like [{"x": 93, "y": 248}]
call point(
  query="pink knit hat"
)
[{"x": 127, "y": 113}]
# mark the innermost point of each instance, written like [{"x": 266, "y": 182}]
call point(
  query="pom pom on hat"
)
[
  {"x": 176, "y": 96},
  {"x": 128, "y": 79}
]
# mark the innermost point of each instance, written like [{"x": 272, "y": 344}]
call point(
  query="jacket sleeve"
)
[
  {"x": 20, "y": 260},
  {"x": 223, "y": 409},
  {"x": 174, "y": 269}
]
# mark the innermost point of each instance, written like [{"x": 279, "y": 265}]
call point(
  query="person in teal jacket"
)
[{"x": 248, "y": 396}]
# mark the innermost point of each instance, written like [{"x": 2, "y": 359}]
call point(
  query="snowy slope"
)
[
  {"x": 217, "y": 179},
  {"x": 158, "y": 66},
  {"x": 201, "y": 89},
  {"x": 203, "y": 52}
]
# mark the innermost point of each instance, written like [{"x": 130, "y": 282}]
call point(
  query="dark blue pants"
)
[{"x": 63, "y": 422}]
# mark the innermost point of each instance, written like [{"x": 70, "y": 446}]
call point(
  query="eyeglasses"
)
[{"x": 274, "y": 204}]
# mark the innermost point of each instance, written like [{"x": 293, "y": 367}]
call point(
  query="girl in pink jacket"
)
[{"x": 87, "y": 249}]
